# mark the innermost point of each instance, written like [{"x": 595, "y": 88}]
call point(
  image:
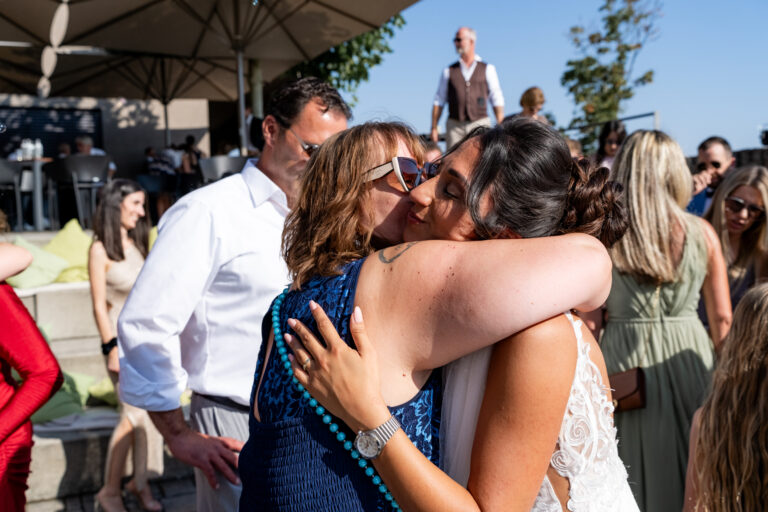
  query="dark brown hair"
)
[
  {"x": 330, "y": 225},
  {"x": 537, "y": 189},
  {"x": 106, "y": 219}
]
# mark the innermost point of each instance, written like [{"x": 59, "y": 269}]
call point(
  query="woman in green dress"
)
[{"x": 665, "y": 260}]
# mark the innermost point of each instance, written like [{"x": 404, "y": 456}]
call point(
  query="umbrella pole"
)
[
  {"x": 257, "y": 90},
  {"x": 241, "y": 103},
  {"x": 167, "y": 127}
]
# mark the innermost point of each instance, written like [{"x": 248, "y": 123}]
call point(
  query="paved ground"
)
[{"x": 176, "y": 495}]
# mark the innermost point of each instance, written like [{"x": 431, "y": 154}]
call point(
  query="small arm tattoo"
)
[{"x": 400, "y": 250}]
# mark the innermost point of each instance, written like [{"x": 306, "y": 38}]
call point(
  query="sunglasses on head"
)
[
  {"x": 409, "y": 174},
  {"x": 701, "y": 166},
  {"x": 737, "y": 205}
]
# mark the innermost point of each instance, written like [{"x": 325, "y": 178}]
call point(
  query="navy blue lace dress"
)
[{"x": 292, "y": 462}]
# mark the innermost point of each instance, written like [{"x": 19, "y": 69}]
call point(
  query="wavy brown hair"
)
[
  {"x": 331, "y": 223},
  {"x": 3, "y": 222},
  {"x": 732, "y": 448}
]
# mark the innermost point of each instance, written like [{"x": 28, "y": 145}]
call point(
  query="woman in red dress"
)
[{"x": 22, "y": 348}]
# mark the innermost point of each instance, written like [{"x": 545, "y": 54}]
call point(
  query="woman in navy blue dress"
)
[{"x": 436, "y": 301}]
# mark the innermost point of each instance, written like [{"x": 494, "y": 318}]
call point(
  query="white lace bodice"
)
[{"x": 586, "y": 452}]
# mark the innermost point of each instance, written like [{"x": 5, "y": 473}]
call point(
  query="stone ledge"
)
[{"x": 71, "y": 463}]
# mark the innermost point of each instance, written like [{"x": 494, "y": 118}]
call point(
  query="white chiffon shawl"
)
[{"x": 463, "y": 389}]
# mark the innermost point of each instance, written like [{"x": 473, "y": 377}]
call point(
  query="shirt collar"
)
[
  {"x": 472, "y": 65},
  {"x": 262, "y": 188}
]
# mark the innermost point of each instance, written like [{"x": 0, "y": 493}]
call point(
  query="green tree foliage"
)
[
  {"x": 347, "y": 65},
  {"x": 603, "y": 77}
]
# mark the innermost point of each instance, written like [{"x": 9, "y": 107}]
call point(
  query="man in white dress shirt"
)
[
  {"x": 467, "y": 86},
  {"x": 193, "y": 318}
]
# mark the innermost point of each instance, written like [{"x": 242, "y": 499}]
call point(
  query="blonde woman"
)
[
  {"x": 121, "y": 240},
  {"x": 665, "y": 259},
  {"x": 738, "y": 215},
  {"x": 728, "y": 464}
]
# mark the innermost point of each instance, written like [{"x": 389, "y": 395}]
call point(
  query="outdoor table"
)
[{"x": 37, "y": 189}]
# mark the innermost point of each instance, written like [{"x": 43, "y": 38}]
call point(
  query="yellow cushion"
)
[
  {"x": 72, "y": 244},
  {"x": 73, "y": 275},
  {"x": 44, "y": 269},
  {"x": 104, "y": 391},
  {"x": 152, "y": 236}
]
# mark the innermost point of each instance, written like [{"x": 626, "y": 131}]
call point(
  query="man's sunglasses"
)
[
  {"x": 308, "y": 148},
  {"x": 737, "y": 205},
  {"x": 409, "y": 174},
  {"x": 701, "y": 166}
]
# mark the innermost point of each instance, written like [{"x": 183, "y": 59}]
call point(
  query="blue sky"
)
[{"x": 709, "y": 60}]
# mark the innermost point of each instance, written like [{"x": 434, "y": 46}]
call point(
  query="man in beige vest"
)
[{"x": 467, "y": 86}]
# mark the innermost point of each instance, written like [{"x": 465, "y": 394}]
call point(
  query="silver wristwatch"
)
[{"x": 370, "y": 443}]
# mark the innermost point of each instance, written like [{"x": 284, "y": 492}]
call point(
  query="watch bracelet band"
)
[
  {"x": 386, "y": 430},
  {"x": 107, "y": 347}
]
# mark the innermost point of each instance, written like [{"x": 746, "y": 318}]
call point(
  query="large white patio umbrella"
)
[{"x": 274, "y": 34}]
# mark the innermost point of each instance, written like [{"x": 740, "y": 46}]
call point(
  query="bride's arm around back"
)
[{"x": 448, "y": 299}]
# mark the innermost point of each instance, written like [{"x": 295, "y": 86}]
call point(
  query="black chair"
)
[
  {"x": 217, "y": 167},
  {"x": 87, "y": 173},
  {"x": 10, "y": 179}
]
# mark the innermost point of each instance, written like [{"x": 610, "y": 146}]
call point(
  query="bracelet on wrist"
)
[{"x": 107, "y": 347}]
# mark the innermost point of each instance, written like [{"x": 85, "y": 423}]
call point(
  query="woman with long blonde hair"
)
[
  {"x": 728, "y": 468},
  {"x": 738, "y": 215},
  {"x": 665, "y": 260}
]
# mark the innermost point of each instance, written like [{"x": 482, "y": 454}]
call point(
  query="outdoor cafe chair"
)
[
  {"x": 10, "y": 176},
  {"x": 88, "y": 173},
  {"x": 217, "y": 167}
]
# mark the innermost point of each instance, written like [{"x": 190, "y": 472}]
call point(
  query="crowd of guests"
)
[{"x": 453, "y": 375}]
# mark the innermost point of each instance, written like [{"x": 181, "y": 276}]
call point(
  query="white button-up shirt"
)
[
  {"x": 495, "y": 96},
  {"x": 193, "y": 318}
]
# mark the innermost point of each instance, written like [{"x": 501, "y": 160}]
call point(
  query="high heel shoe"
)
[
  {"x": 103, "y": 502},
  {"x": 146, "y": 501}
]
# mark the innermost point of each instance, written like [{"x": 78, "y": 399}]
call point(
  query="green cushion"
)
[
  {"x": 104, "y": 390},
  {"x": 72, "y": 244},
  {"x": 67, "y": 400},
  {"x": 44, "y": 269}
]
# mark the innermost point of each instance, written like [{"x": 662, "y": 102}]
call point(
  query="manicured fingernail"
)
[
  {"x": 358, "y": 315},
  {"x": 290, "y": 357},
  {"x": 288, "y": 338},
  {"x": 292, "y": 323},
  {"x": 312, "y": 305}
]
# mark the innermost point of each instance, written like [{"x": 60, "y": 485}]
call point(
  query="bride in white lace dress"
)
[
  {"x": 585, "y": 469},
  {"x": 528, "y": 423}
]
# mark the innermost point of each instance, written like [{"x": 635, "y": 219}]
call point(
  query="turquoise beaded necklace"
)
[{"x": 341, "y": 437}]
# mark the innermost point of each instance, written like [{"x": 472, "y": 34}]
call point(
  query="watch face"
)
[{"x": 367, "y": 445}]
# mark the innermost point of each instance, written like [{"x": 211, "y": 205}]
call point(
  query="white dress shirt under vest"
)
[
  {"x": 495, "y": 96},
  {"x": 193, "y": 318}
]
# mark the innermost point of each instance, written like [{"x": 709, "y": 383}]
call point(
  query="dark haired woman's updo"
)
[
  {"x": 593, "y": 204},
  {"x": 536, "y": 189}
]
